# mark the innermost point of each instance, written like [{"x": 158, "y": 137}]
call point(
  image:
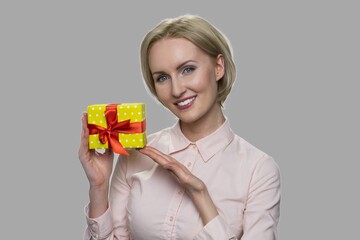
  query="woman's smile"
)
[{"x": 185, "y": 103}]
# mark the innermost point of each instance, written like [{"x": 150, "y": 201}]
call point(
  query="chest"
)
[{"x": 159, "y": 208}]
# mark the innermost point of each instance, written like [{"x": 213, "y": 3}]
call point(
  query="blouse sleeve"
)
[
  {"x": 262, "y": 210},
  {"x": 100, "y": 227},
  {"x": 216, "y": 229},
  {"x": 112, "y": 225}
]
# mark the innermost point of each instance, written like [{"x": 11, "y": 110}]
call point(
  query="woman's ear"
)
[{"x": 219, "y": 67}]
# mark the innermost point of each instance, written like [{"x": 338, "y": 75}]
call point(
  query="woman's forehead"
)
[{"x": 172, "y": 52}]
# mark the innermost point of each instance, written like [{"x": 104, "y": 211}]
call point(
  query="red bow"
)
[{"x": 111, "y": 133}]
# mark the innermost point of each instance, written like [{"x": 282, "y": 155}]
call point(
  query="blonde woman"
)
[{"x": 196, "y": 179}]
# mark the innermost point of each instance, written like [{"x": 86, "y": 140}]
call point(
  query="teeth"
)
[{"x": 187, "y": 101}]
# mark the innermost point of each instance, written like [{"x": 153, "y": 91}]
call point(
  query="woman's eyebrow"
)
[
  {"x": 184, "y": 63},
  {"x": 177, "y": 68}
]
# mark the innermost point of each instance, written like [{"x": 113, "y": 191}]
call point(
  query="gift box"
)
[{"x": 117, "y": 126}]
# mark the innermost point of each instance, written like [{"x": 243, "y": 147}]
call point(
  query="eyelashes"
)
[
  {"x": 184, "y": 72},
  {"x": 161, "y": 78},
  {"x": 188, "y": 69}
]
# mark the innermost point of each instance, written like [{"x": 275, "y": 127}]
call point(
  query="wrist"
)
[
  {"x": 98, "y": 201},
  {"x": 200, "y": 196},
  {"x": 99, "y": 189},
  {"x": 204, "y": 204}
]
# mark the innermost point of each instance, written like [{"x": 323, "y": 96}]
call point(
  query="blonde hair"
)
[{"x": 201, "y": 33}]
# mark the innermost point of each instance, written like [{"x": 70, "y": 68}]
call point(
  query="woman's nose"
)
[{"x": 177, "y": 87}]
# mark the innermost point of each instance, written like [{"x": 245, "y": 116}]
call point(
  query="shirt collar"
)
[{"x": 208, "y": 146}]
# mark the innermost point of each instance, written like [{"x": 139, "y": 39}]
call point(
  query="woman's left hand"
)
[
  {"x": 195, "y": 188},
  {"x": 191, "y": 183}
]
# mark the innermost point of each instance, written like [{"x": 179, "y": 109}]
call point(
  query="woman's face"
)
[{"x": 185, "y": 78}]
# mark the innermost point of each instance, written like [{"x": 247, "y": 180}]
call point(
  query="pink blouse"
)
[{"x": 147, "y": 203}]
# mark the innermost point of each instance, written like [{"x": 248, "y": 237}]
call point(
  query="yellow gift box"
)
[{"x": 118, "y": 125}]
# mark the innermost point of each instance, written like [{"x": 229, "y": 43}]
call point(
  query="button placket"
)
[
  {"x": 170, "y": 229},
  {"x": 178, "y": 196},
  {"x": 191, "y": 161}
]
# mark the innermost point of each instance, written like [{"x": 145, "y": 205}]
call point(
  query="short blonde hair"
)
[{"x": 201, "y": 33}]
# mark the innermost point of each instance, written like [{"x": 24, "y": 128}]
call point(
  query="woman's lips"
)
[{"x": 185, "y": 103}]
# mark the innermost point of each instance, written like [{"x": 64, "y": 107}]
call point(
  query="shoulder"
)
[
  {"x": 252, "y": 156},
  {"x": 253, "y": 166}
]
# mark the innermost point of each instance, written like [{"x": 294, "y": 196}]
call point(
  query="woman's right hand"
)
[{"x": 97, "y": 166}]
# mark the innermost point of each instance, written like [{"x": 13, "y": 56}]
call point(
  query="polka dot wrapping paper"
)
[{"x": 133, "y": 135}]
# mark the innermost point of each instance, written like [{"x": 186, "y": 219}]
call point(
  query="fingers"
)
[
  {"x": 156, "y": 155},
  {"x": 182, "y": 173},
  {"x": 84, "y": 152},
  {"x": 84, "y": 131},
  {"x": 84, "y": 120},
  {"x": 166, "y": 161}
]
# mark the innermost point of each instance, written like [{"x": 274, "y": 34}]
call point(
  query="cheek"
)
[
  {"x": 205, "y": 82},
  {"x": 162, "y": 92}
]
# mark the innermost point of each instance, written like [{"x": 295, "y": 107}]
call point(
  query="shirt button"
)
[
  {"x": 188, "y": 164},
  {"x": 171, "y": 218}
]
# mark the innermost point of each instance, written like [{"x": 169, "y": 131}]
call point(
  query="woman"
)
[{"x": 196, "y": 179}]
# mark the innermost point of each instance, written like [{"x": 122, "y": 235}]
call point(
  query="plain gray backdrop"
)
[{"x": 296, "y": 97}]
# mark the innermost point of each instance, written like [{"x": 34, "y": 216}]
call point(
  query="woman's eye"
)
[
  {"x": 188, "y": 69},
  {"x": 161, "y": 78}
]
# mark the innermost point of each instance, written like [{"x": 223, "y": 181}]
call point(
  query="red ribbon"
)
[{"x": 111, "y": 133}]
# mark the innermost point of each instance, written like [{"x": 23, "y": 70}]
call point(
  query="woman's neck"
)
[{"x": 203, "y": 126}]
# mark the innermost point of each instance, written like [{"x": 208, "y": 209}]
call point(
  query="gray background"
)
[{"x": 296, "y": 97}]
